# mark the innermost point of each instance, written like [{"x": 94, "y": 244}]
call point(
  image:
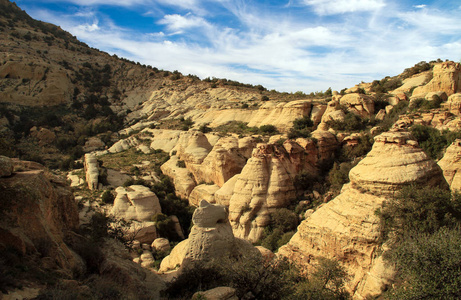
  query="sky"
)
[{"x": 289, "y": 46}]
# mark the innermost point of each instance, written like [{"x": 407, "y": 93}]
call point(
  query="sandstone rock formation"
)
[
  {"x": 454, "y": 104},
  {"x": 203, "y": 192},
  {"x": 394, "y": 161},
  {"x": 347, "y": 228},
  {"x": 136, "y": 202},
  {"x": 359, "y": 104},
  {"x": 92, "y": 171},
  {"x": 451, "y": 165},
  {"x": 210, "y": 238},
  {"x": 182, "y": 178},
  {"x": 265, "y": 184},
  {"x": 446, "y": 78},
  {"x": 37, "y": 213}
]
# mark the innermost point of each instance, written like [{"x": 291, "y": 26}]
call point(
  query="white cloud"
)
[
  {"x": 179, "y": 23},
  {"x": 331, "y": 7},
  {"x": 420, "y": 6},
  {"x": 277, "y": 51}
]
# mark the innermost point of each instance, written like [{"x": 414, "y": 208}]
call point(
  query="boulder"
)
[
  {"x": 161, "y": 244},
  {"x": 454, "y": 104},
  {"x": 203, "y": 192},
  {"x": 218, "y": 293},
  {"x": 136, "y": 202},
  {"x": 265, "y": 184},
  {"x": 394, "y": 161},
  {"x": 359, "y": 104},
  {"x": 451, "y": 165},
  {"x": 182, "y": 178}
]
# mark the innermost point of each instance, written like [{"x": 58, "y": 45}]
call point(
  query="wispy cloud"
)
[
  {"x": 331, "y": 7},
  {"x": 275, "y": 48}
]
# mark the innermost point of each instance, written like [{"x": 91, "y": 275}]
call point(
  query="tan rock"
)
[
  {"x": 124, "y": 144},
  {"x": 281, "y": 115},
  {"x": 218, "y": 293},
  {"x": 225, "y": 160},
  {"x": 394, "y": 161},
  {"x": 347, "y": 227},
  {"x": 210, "y": 238},
  {"x": 224, "y": 194},
  {"x": 92, "y": 171},
  {"x": 144, "y": 232},
  {"x": 266, "y": 183},
  {"x": 136, "y": 202},
  {"x": 411, "y": 83},
  {"x": 326, "y": 144},
  {"x": 162, "y": 139},
  {"x": 446, "y": 78},
  {"x": 451, "y": 165},
  {"x": 454, "y": 104},
  {"x": 203, "y": 192},
  {"x": 182, "y": 178},
  {"x": 360, "y": 104},
  {"x": 161, "y": 244}
]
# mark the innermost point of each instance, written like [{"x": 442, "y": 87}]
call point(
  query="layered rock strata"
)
[
  {"x": 347, "y": 228},
  {"x": 451, "y": 165}
]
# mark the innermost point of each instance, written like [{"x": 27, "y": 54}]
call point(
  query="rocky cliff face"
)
[
  {"x": 347, "y": 228},
  {"x": 446, "y": 78},
  {"x": 37, "y": 211}
]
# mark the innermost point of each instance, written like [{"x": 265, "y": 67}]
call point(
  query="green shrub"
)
[
  {"x": 268, "y": 129},
  {"x": 181, "y": 164},
  {"x": 107, "y": 197},
  {"x": 339, "y": 174},
  {"x": 430, "y": 140},
  {"x": 428, "y": 266},
  {"x": 351, "y": 123},
  {"x": 419, "y": 209},
  {"x": 302, "y": 127}
]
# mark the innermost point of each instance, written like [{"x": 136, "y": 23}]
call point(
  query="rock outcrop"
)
[
  {"x": 347, "y": 228},
  {"x": 37, "y": 213},
  {"x": 359, "y": 104},
  {"x": 91, "y": 171},
  {"x": 451, "y": 165},
  {"x": 210, "y": 238},
  {"x": 446, "y": 78},
  {"x": 136, "y": 202},
  {"x": 265, "y": 184}
]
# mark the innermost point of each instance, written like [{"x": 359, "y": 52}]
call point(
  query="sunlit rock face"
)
[
  {"x": 210, "y": 238},
  {"x": 347, "y": 227}
]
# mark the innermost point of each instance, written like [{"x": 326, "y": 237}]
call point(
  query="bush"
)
[
  {"x": 422, "y": 210},
  {"x": 339, "y": 174},
  {"x": 268, "y": 129},
  {"x": 429, "y": 266},
  {"x": 430, "y": 140},
  {"x": 351, "y": 123},
  {"x": 107, "y": 197}
]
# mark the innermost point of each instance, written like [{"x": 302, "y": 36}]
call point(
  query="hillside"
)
[{"x": 168, "y": 174}]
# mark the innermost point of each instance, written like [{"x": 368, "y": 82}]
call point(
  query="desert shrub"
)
[
  {"x": 428, "y": 266},
  {"x": 351, "y": 123},
  {"x": 393, "y": 116},
  {"x": 430, "y": 140},
  {"x": 172, "y": 204},
  {"x": 268, "y": 129},
  {"x": 326, "y": 282},
  {"x": 419, "y": 210},
  {"x": 305, "y": 181},
  {"x": 264, "y": 98},
  {"x": 245, "y": 106},
  {"x": 283, "y": 221},
  {"x": 364, "y": 146},
  {"x": 181, "y": 164},
  {"x": 205, "y": 129},
  {"x": 107, "y": 197},
  {"x": 254, "y": 277},
  {"x": 423, "y": 104},
  {"x": 339, "y": 174},
  {"x": 165, "y": 227},
  {"x": 302, "y": 127}
]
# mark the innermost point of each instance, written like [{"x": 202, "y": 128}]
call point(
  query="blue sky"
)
[{"x": 292, "y": 45}]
